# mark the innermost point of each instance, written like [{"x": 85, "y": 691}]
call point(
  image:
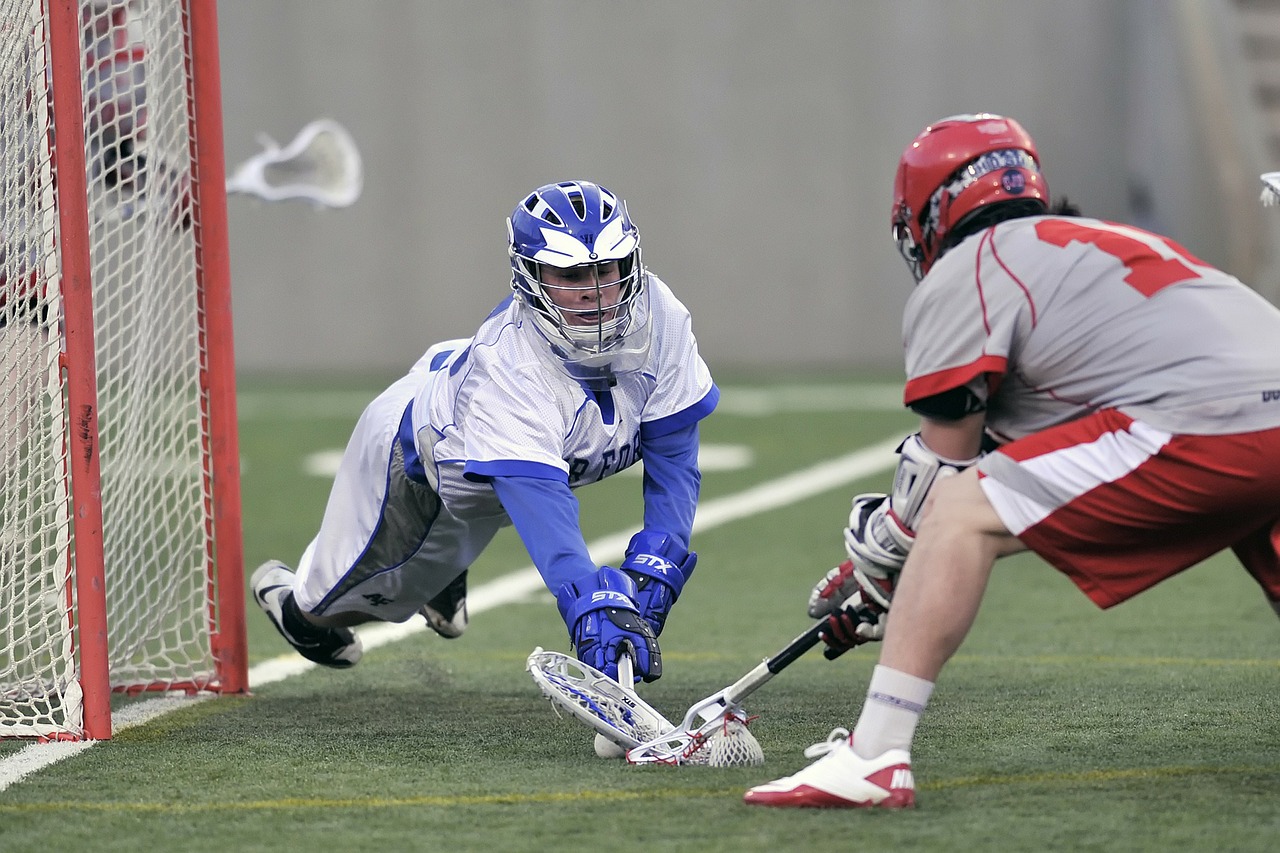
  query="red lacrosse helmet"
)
[{"x": 955, "y": 169}]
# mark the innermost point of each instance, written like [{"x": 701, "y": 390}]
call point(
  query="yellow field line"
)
[{"x": 556, "y": 797}]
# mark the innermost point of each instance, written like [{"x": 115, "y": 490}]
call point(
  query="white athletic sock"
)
[{"x": 894, "y": 704}]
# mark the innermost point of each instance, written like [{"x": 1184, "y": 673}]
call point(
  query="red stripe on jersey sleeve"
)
[{"x": 953, "y": 377}]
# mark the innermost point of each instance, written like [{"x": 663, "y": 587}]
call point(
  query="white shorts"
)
[{"x": 387, "y": 545}]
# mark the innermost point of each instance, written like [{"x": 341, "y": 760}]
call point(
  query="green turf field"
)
[{"x": 1155, "y": 726}]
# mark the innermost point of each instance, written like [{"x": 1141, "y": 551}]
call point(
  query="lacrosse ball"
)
[{"x": 606, "y": 748}]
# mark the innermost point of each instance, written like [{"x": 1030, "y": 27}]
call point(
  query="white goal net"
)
[{"x": 132, "y": 582}]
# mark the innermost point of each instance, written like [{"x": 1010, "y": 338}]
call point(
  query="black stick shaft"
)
[
  {"x": 796, "y": 648},
  {"x": 766, "y": 670}
]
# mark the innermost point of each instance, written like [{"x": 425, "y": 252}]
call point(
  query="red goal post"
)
[{"x": 120, "y": 551}]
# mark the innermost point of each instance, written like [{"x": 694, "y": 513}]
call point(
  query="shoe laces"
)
[{"x": 838, "y": 736}]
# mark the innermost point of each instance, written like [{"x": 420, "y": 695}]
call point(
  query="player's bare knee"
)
[
  {"x": 958, "y": 507},
  {"x": 950, "y": 498}
]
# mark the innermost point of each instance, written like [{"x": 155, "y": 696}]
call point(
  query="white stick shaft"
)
[
  {"x": 626, "y": 674},
  {"x": 747, "y": 684}
]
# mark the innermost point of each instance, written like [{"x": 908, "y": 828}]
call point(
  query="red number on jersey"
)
[{"x": 1149, "y": 271}]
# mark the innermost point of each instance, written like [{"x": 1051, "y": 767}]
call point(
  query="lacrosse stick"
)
[
  {"x": 595, "y": 699},
  {"x": 1270, "y": 189},
  {"x": 604, "y": 747},
  {"x": 713, "y": 715},
  {"x": 621, "y": 717},
  {"x": 321, "y": 165}
]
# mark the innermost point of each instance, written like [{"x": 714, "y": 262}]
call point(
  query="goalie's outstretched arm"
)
[{"x": 599, "y": 605}]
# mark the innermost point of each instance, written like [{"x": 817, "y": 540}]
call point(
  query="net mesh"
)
[
  {"x": 37, "y": 686},
  {"x": 730, "y": 744},
  {"x": 155, "y": 477}
]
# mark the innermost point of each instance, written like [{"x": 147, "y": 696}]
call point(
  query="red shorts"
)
[{"x": 1118, "y": 506}]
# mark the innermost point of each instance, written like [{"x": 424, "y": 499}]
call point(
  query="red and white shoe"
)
[{"x": 842, "y": 779}]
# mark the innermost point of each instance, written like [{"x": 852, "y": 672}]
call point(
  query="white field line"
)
[
  {"x": 741, "y": 400},
  {"x": 711, "y": 457},
  {"x": 507, "y": 589}
]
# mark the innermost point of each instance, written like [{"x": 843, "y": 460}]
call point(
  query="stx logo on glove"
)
[
  {"x": 618, "y": 598},
  {"x": 651, "y": 561}
]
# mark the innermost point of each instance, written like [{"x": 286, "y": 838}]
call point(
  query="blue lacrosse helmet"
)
[{"x": 577, "y": 275}]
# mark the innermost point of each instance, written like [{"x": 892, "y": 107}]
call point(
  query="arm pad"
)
[
  {"x": 918, "y": 469},
  {"x": 882, "y": 528}
]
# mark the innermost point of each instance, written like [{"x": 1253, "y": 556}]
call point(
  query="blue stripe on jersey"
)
[
  {"x": 462, "y": 359},
  {"x": 483, "y": 472},
  {"x": 413, "y": 468},
  {"x": 599, "y": 391},
  {"x": 545, "y": 514},
  {"x": 671, "y": 482},
  {"x": 681, "y": 419}
]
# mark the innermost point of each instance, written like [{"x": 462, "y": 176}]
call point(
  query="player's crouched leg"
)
[{"x": 446, "y": 614}]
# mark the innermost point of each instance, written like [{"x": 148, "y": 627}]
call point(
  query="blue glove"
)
[
  {"x": 604, "y": 623},
  {"x": 659, "y": 565}
]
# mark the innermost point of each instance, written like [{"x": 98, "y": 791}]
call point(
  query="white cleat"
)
[
  {"x": 272, "y": 586},
  {"x": 842, "y": 779}
]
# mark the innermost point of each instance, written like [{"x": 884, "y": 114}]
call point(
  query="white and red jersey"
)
[
  {"x": 1049, "y": 318},
  {"x": 1136, "y": 390}
]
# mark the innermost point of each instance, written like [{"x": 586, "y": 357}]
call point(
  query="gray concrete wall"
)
[{"x": 754, "y": 141}]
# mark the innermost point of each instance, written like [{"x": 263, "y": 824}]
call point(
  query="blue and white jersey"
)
[{"x": 491, "y": 406}]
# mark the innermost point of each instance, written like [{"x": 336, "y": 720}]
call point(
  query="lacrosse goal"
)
[{"x": 120, "y": 553}]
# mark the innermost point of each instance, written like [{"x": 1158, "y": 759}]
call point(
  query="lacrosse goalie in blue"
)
[{"x": 589, "y": 366}]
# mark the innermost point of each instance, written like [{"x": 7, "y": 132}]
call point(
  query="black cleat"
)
[
  {"x": 446, "y": 614},
  {"x": 339, "y": 648}
]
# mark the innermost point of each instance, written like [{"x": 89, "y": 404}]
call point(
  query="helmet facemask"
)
[
  {"x": 593, "y": 316},
  {"x": 912, "y": 253},
  {"x": 577, "y": 274}
]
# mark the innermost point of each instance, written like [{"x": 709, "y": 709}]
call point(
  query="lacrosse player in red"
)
[{"x": 1126, "y": 393}]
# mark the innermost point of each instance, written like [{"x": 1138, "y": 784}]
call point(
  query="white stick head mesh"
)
[
  {"x": 595, "y": 699},
  {"x": 321, "y": 165},
  {"x": 721, "y": 741},
  {"x": 729, "y": 745},
  {"x": 625, "y": 719}
]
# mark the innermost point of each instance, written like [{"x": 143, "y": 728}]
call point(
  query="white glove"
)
[{"x": 875, "y": 540}]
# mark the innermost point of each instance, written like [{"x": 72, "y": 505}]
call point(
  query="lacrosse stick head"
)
[
  {"x": 595, "y": 699},
  {"x": 727, "y": 743},
  {"x": 721, "y": 741},
  {"x": 321, "y": 165},
  {"x": 1270, "y": 189}
]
